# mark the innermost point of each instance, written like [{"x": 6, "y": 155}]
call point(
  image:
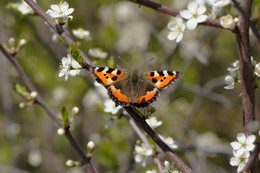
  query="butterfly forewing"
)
[{"x": 163, "y": 79}]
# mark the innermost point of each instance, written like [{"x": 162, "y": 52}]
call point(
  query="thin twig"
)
[
  {"x": 166, "y": 10},
  {"x": 144, "y": 139},
  {"x": 142, "y": 123},
  {"x": 247, "y": 16},
  {"x": 57, "y": 28},
  {"x": 47, "y": 109}
]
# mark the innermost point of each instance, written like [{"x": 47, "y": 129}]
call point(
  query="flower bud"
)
[
  {"x": 75, "y": 110},
  {"x": 60, "y": 131},
  {"x": 22, "y": 105},
  {"x": 70, "y": 163},
  {"x": 33, "y": 95},
  {"x": 91, "y": 146}
]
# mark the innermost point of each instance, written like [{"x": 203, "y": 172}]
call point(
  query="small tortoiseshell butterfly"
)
[{"x": 133, "y": 89}]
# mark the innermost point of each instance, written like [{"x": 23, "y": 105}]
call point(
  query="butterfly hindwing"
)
[{"x": 164, "y": 78}]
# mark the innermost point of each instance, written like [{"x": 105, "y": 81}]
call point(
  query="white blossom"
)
[
  {"x": 69, "y": 67},
  {"x": 229, "y": 80},
  {"x": 169, "y": 168},
  {"x": 21, "y": 7},
  {"x": 239, "y": 160},
  {"x": 110, "y": 107},
  {"x": 227, "y": 22},
  {"x": 169, "y": 141},
  {"x": 221, "y": 3},
  {"x": 214, "y": 12},
  {"x": 82, "y": 34},
  {"x": 97, "y": 53},
  {"x": 194, "y": 15},
  {"x": 61, "y": 12},
  {"x": 142, "y": 153},
  {"x": 153, "y": 122},
  {"x": 235, "y": 66},
  {"x": 243, "y": 143},
  {"x": 176, "y": 27},
  {"x": 257, "y": 69},
  {"x": 151, "y": 171},
  {"x": 24, "y": 8}
]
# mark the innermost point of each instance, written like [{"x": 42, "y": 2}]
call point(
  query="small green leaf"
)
[
  {"x": 21, "y": 90},
  {"x": 74, "y": 51},
  {"x": 65, "y": 114}
]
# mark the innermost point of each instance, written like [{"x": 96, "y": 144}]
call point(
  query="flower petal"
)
[
  {"x": 191, "y": 24},
  {"x": 185, "y": 14}
]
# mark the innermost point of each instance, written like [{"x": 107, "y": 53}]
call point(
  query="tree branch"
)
[
  {"x": 247, "y": 17},
  {"x": 47, "y": 109},
  {"x": 246, "y": 71},
  {"x": 57, "y": 28},
  {"x": 142, "y": 123},
  {"x": 173, "y": 12}
]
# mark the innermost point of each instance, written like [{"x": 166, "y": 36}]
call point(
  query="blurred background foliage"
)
[{"x": 198, "y": 113}]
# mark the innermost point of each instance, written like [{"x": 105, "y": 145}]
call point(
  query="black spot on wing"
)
[
  {"x": 98, "y": 80},
  {"x": 118, "y": 72},
  {"x": 110, "y": 70},
  {"x": 152, "y": 74},
  {"x": 160, "y": 73},
  {"x": 154, "y": 80},
  {"x": 114, "y": 78},
  {"x": 170, "y": 73},
  {"x": 100, "y": 69}
]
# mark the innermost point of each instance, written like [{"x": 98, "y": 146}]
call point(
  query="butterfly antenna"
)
[
  {"x": 125, "y": 62},
  {"x": 146, "y": 62}
]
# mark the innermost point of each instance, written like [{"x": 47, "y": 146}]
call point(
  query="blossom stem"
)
[{"x": 57, "y": 28}]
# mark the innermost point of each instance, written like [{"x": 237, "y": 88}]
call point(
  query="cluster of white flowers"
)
[
  {"x": 60, "y": 12},
  {"x": 241, "y": 150},
  {"x": 142, "y": 152},
  {"x": 69, "y": 67},
  {"x": 234, "y": 73},
  {"x": 195, "y": 14}
]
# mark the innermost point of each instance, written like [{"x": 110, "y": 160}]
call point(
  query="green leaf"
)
[
  {"x": 74, "y": 51},
  {"x": 21, "y": 90},
  {"x": 64, "y": 114}
]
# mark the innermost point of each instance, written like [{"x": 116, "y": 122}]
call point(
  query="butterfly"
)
[{"x": 135, "y": 88}]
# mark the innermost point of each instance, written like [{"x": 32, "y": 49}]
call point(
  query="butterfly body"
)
[{"x": 135, "y": 88}]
